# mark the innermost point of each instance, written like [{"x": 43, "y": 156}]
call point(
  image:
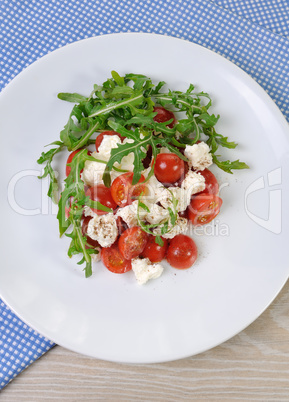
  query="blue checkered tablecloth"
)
[{"x": 251, "y": 33}]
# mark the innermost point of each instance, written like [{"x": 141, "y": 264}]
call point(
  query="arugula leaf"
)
[
  {"x": 48, "y": 171},
  {"x": 227, "y": 166},
  {"x": 74, "y": 98}
]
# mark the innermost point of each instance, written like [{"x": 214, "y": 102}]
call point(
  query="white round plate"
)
[{"x": 243, "y": 261}]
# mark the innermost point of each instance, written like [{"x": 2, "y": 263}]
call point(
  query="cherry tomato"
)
[
  {"x": 212, "y": 186},
  {"x": 69, "y": 160},
  {"x": 204, "y": 208},
  {"x": 182, "y": 252},
  {"x": 103, "y": 195},
  {"x": 169, "y": 168},
  {"x": 132, "y": 242},
  {"x": 85, "y": 222},
  {"x": 99, "y": 138},
  {"x": 164, "y": 115},
  {"x": 122, "y": 190},
  {"x": 114, "y": 260},
  {"x": 153, "y": 251}
]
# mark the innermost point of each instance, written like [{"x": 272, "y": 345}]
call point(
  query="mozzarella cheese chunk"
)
[
  {"x": 93, "y": 171},
  {"x": 108, "y": 143},
  {"x": 103, "y": 228},
  {"x": 144, "y": 270},
  {"x": 199, "y": 156},
  {"x": 157, "y": 214},
  {"x": 128, "y": 214},
  {"x": 87, "y": 211},
  {"x": 179, "y": 227},
  {"x": 193, "y": 183}
]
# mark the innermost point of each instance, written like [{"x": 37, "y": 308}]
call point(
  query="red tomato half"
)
[
  {"x": 93, "y": 243},
  {"x": 212, "y": 186},
  {"x": 114, "y": 260},
  {"x": 122, "y": 190},
  {"x": 182, "y": 252},
  {"x": 132, "y": 242},
  {"x": 101, "y": 194},
  {"x": 99, "y": 138},
  {"x": 169, "y": 168},
  {"x": 164, "y": 115},
  {"x": 153, "y": 251},
  {"x": 204, "y": 208},
  {"x": 69, "y": 160}
]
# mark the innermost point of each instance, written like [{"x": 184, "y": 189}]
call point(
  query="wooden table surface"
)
[{"x": 253, "y": 365}]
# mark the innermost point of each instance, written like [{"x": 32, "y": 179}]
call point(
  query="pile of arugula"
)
[{"x": 126, "y": 105}]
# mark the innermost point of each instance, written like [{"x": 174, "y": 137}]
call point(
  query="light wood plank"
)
[{"x": 252, "y": 366}]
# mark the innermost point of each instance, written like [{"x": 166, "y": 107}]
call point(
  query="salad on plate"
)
[{"x": 129, "y": 200}]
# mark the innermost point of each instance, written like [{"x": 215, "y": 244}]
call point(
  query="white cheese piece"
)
[
  {"x": 129, "y": 213},
  {"x": 193, "y": 183},
  {"x": 103, "y": 228},
  {"x": 108, "y": 143},
  {"x": 157, "y": 214},
  {"x": 199, "y": 156},
  {"x": 179, "y": 227},
  {"x": 165, "y": 196},
  {"x": 127, "y": 162},
  {"x": 93, "y": 171},
  {"x": 144, "y": 270},
  {"x": 87, "y": 211},
  {"x": 154, "y": 188}
]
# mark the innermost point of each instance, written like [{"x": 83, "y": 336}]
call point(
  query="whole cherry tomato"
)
[
  {"x": 204, "y": 208},
  {"x": 99, "y": 138},
  {"x": 169, "y": 168},
  {"x": 212, "y": 186},
  {"x": 153, "y": 251},
  {"x": 114, "y": 260},
  {"x": 164, "y": 115},
  {"x": 124, "y": 192},
  {"x": 101, "y": 194},
  {"x": 85, "y": 222},
  {"x": 69, "y": 160},
  {"x": 132, "y": 242},
  {"x": 182, "y": 252}
]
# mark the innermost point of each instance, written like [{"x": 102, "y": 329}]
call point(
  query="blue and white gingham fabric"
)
[{"x": 251, "y": 33}]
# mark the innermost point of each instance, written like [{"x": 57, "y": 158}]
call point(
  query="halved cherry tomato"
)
[
  {"x": 99, "y": 138},
  {"x": 132, "y": 242},
  {"x": 122, "y": 190},
  {"x": 85, "y": 222},
  {"x": 114, "y": 260},
  {"x": 69, "y": 160},
  {"x": 164, "y": 115},
  {"x": 101, "y": 194},
  {"x": 204, "y": 208},
  {"x": 212, "y": 186},
  {"x": 169, "y": 168},
  {"x": 153, "y": 251},
  {"x": 182, "y": 252}
]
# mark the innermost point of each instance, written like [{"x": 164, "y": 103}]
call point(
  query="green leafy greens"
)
[{"x": 126, "y": 105}]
